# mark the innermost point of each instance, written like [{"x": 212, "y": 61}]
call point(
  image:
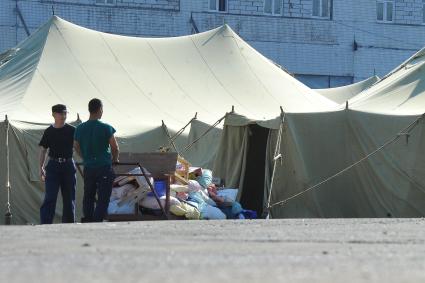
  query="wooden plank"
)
[{"x": 157, "y": 163}]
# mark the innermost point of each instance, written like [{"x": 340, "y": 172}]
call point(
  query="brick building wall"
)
[{"x": 323, "y": 43}]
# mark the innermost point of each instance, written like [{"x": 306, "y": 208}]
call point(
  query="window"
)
[
  {"x": 321, "y": 8},
  {"x": 218, "y": 5},
  {"x": 105, "y": 2},
  {"x": 273, "y": 7},
  {"x": 423, "y": 11},
  {"x": 384, "y": 10}
]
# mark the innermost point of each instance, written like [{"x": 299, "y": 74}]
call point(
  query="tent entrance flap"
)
[{"x": 253, "y": 185}]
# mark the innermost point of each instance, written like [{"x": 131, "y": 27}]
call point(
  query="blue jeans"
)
[
  {"x": 59, "y": 175},
  {"x": 98, "y": 181}
]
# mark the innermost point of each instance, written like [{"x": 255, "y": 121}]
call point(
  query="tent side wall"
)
[
  {"x": 317, "y": 146},
  {"x": 204, "y": 151},
  {"x": 308, "y": 142},
  {"x": 229, "y": 164}
]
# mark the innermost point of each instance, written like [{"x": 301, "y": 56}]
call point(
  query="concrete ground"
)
[{"x": 295, "y": 250}]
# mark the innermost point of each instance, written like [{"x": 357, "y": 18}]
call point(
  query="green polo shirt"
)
[{"x": 93, "y": 137}]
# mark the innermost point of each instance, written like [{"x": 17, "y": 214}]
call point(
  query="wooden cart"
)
[{"x": 161, "y": 166}]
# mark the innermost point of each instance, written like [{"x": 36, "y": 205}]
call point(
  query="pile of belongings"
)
[
  {"x": 193, "y": 198},
  {"x": 202, "y": 195},
  {"x": 127, "y": 191},
  {"x": 130, "y": 193}
]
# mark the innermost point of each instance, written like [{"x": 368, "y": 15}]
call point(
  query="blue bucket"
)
[{"x": 159, "y": 187}]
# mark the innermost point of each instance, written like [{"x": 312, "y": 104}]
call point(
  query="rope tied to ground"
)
[{"x": 404, "y": 132}]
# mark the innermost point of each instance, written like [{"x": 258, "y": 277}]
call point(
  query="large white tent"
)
[
  {"x": 141, "y": 82},
  {"x": 364, "y": 160}
]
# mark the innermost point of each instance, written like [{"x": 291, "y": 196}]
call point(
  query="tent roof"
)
[
  {"x": 344, "y": 93},
  {"x": 145, "y": 80},
  {"x": 401, "y": 92}
]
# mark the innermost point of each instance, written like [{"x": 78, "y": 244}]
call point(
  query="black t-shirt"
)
[{"x": 59, "y": 141}]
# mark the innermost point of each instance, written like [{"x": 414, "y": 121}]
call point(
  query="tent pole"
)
[
  {"x": 164, "y": 127},
  {"x": 8, "y": 214},
  {"x": 277, "y": 156}
]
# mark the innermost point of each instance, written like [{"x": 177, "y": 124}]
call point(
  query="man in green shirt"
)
[{"x": 95, "y": 142}]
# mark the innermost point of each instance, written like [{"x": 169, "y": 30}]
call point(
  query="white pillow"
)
[
  {"x": 151, "y": 203},
  {"x": 120, "y": 192}
]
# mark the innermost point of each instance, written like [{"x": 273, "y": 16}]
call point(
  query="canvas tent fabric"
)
[
  {"x": 344, "y": 93},
  {"x": 318, "y": 145},
  {"x": 141, "y": 82},
  {"x": 140, "y": 79}
]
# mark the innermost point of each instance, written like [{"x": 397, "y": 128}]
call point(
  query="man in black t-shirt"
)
[{"x": 60, "y": 170}]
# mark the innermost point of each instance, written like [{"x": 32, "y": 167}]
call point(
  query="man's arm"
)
[
  {"x": 77, "y": 148},
  {"x": 42, "y": 159},
  {"x": 114, "y": 148}
]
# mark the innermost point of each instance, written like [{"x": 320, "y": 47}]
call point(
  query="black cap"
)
[{"x": 59, "y": 108}]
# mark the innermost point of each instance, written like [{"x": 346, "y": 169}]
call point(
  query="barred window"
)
[
  {"x": 321, "y": 8},
  {"x": 273, "y": 7},
  {"x": 423, "y": 11},
  {"x": 218, "y": 5},
  {"x": 384, "y": 10}
]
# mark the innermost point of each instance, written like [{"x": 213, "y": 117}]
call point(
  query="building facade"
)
[{"x": 325, "y": 43}]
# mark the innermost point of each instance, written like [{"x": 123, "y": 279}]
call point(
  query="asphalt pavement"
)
[{"x": 286, "y": 250}]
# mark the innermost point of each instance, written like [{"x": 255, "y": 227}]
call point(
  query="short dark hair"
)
[
  {"x": 94, "y": 105},
  {"x": 59, "y": 108}
]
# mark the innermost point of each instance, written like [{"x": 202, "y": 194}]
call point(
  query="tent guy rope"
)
[
  {"x": 404, "y": 132},
  {"x": 179, "y": 132},
  {"x": 204, "y": 133}
]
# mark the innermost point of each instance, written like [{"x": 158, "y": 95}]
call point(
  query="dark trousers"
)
[
  {"x": 59, "y": 175},
  {"x": 97, "y": 181}
]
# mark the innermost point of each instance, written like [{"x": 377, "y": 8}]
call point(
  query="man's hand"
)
[
  {"x": 43, "y": 152},
  {"x": 77, "y": 148},
  {"x": 114, "y": 149},
  {"x": 42, "y": 174}
]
